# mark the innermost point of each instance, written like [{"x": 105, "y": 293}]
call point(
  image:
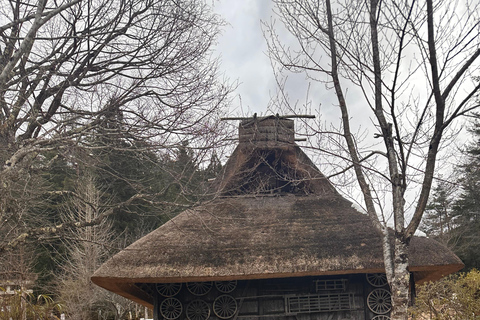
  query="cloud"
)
[{"x": 242, "y": 49}]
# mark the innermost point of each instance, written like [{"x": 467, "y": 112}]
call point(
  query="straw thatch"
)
[{"x": 275, "y": 216}]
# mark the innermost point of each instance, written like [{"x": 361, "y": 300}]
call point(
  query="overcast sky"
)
[{"x": 243, "y": 52}]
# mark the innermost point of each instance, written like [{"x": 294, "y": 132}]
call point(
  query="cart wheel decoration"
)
[
  {"x": 171, "y": 308},
  {"x": 198, "y": 310},
  {"x": 381, "y": 317},
  {"x": 377, "y": 279},
  {"x": 226, "y": 286},
  {"x": 168, "y": 289},
  {"x": 225, "y": 306},
  {"x": 379, "y": 301},
  {"x": 199, "y": 288}
]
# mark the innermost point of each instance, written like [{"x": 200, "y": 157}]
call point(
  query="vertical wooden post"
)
[
  {"x": 413, "y": 291},
  {"x": 156, "y": 316}
]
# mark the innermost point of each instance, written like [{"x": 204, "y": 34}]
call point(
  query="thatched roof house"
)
[{"x": 275, "y": 216}]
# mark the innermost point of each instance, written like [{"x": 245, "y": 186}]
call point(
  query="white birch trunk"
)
[{"x": 401, "y": 280}]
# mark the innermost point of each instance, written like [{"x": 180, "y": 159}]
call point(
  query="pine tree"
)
[
  {"x": 467, "y": 206},
  {"x": 437, "y": 221}
]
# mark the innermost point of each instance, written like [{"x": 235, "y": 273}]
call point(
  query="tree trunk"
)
[
  {"x": 6, "y": 146},
  {"x": 401, "y": 279}
]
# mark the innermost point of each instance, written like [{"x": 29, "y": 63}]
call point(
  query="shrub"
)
[
  {"x": 21, "y": 305},
  {"x": 453, "y": 298}
]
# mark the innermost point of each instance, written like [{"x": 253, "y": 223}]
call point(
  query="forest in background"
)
[
  {"x": 61, "y": 265},
  {"x": 453, "y": 214}
]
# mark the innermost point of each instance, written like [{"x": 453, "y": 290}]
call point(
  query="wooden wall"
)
[{"x": 306, "y": 298}]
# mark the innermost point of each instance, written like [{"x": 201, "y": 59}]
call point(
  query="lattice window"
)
[
  {"x": 320, "y": 303},
  {"x": 329, "y": 285}
]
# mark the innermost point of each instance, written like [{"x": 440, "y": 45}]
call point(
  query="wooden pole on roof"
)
[{"x": 290, "y": 116}]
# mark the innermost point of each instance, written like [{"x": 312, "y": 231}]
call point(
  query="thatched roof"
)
[{"x": 275, "y": 216}]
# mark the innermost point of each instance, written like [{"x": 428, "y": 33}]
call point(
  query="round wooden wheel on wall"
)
[
  {"x": 377, "y": 279},
  {"x": 379, "y": 301},
  {"x": 226, "y": 286},
  {"x": 168, "y": 289},
  {"x": 199, "y": 288},
  {"x": 171, "y": 308},
  {"x": 225, "y": 306},
  {"x": 381, "y": 317},
  {"x": 198, "y": 310}
]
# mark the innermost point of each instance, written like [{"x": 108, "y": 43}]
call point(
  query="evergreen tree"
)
[
  {"x": 129, "y": 169},
  {"x": 437, "y": 221},
  {"x": 59, "y": 175},
  {"x": 185, "y": 175},
  {"x": 214, "y": 167},
  {"x": 453, "y": 214},
  {"x": 467, "y": 206}
]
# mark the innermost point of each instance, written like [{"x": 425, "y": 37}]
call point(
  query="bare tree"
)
[
  {"x": 415, "y": 64},
  {"x": 76, "y": 74},
  {"x": 86, "y": 249}
]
